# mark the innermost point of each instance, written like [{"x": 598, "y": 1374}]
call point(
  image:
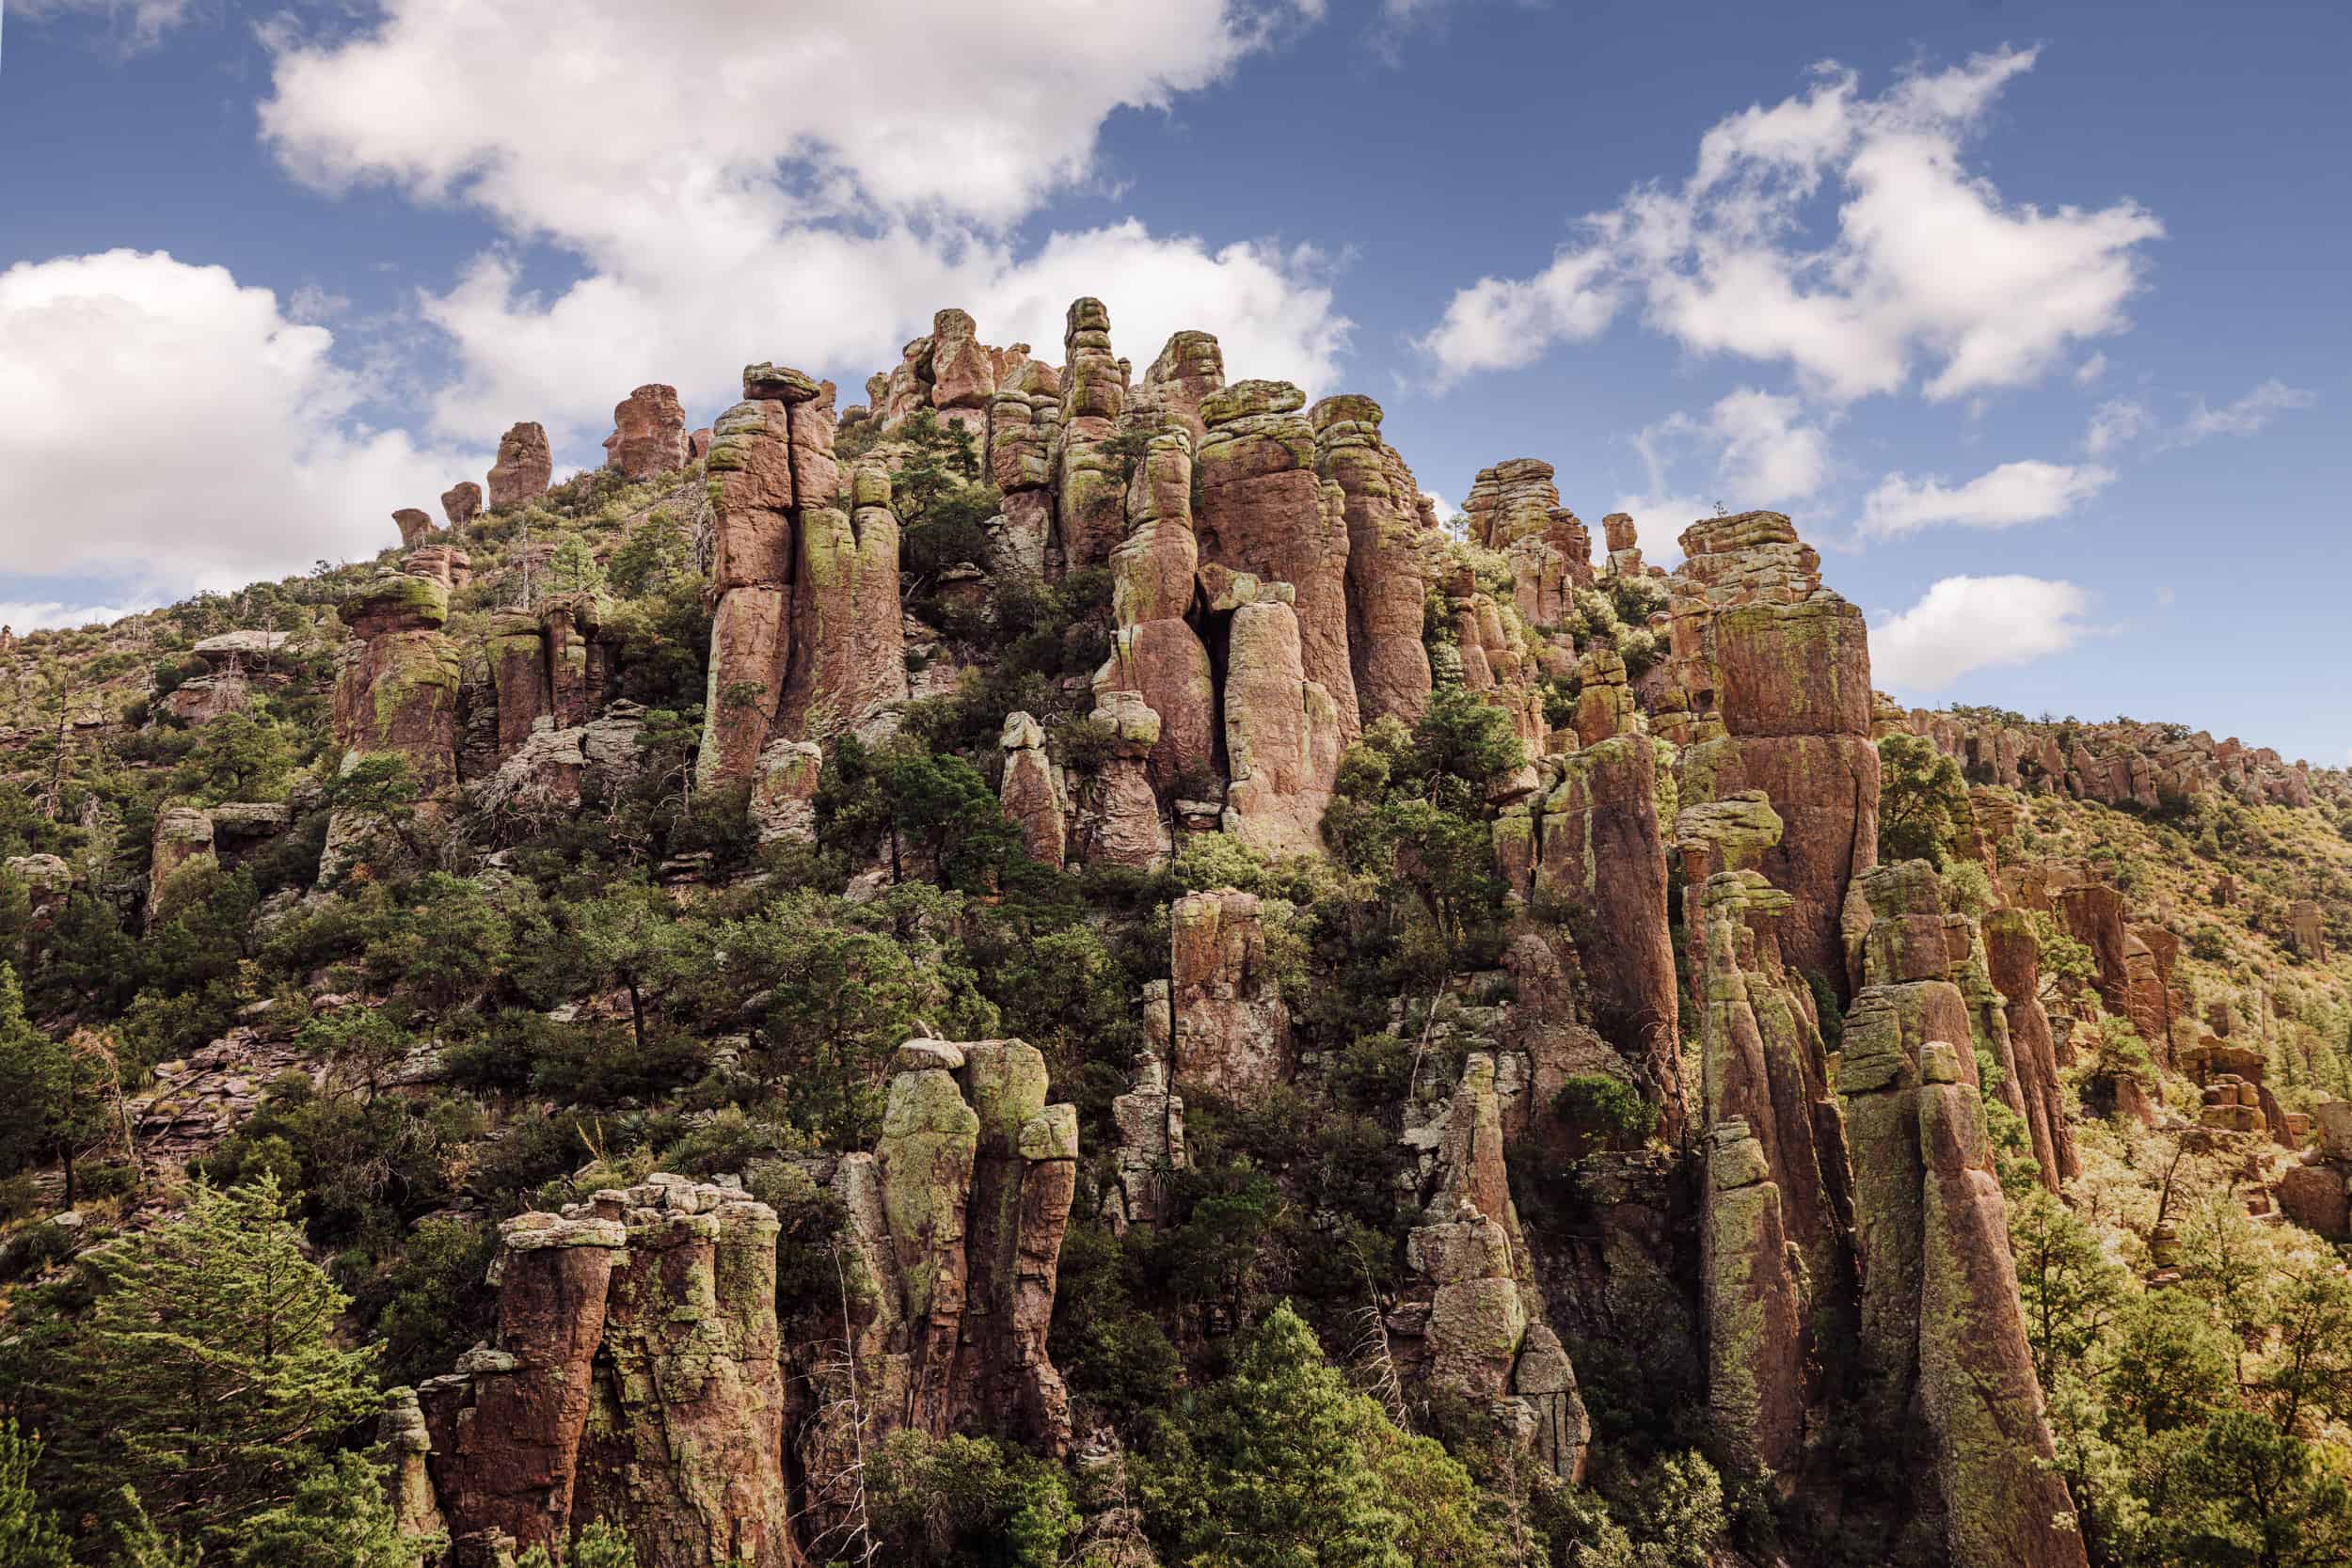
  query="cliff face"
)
[{"x": 1707, "y": 1114}]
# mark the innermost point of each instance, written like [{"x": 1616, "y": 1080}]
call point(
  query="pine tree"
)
[
  {"x": 29, "y": 1534},
  {"x": 339, "y": 1518},
  {"x": 1283, "y": 1479},
  {"x": 209, "y": 1377}
]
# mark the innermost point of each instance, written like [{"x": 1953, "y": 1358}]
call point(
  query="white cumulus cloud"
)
[
  {"x": 1962, "y": 623},
  {"x": 1731, "y": 260},
  {"x": 167, "y": 428},
  {"x": 809, "y": 191},
  {"x": 2014, "y": 493}
]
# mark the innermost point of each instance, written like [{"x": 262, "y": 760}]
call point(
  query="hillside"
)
[{"x": 1051, "y": 968}]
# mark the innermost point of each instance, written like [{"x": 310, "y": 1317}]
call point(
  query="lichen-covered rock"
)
[
  {"x": 684, "y": 1448},
  {"x": 784, "y": 791},
  {"x": 1774, "y": 669},
  {"x": 1756, "y": 1371},
  {"x": 957, "y": 1221},
  {"x": 1150, "y": 1122},
  {"x": 2014, "y": 954},
  {"x": 2093, "y": 914},
  {"x": 1386, "y": 561},
  {"x": 1120, "y": 822},
  {"x": 1031, "y": 798},
  {"x": 1471, "y": 1318},
  {"x": 1603, "y": 861},
  {"x": 401, "y": 1435},
  {"x": 523, "y": 468},
  {"x": 1190, "y": 366},
  {"x": 848, "y": 673},
  {"x": 1229, "y": 1027},
  {"x": 506, "y": 1426},
  {"x": 2004, "y": 1502},
  {"x": 1091, "y": 488},
  {"x": 397, "y": 690},
  {"x": 1156, "y": 651},
  {"x": 648, "y": 433},
  {"x": 182, "y": 839}
]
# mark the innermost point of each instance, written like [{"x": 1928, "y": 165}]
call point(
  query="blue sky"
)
[{"x": 2032, "y": 316}]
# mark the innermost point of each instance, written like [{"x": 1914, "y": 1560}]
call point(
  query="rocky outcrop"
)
[
  {"x": 396, "y": 693},
  {"x": 956, "y": 1222},
  {"x": 784, "y": 791},
  {"x": 1228, "y": 1028},
  {"x": 1470, "y": 1319},
  {"x": 1284, "y": 733},
  {"x": 550, "y": 667},
  {"x": 1090, "y": 488},
  {"x": 462, "y": 504},
  {"x": 2315, "y": 1194},
  {"x": 1771, "y": 673},
  {"x": 415, "y": 527},
  {"x": 1118, "y": 818},
  {"x": 1023, "y": 418},
  {"x": 635, "y": 1376},
  {"x": 1601, "y": 870},
  {"x": 1938, "y": 1304},
  {"x": 1150, "y": 1117},
  {"x": 1156, "y": 652},
  {"x": 523, "y": 468},
  {"x": 2092, "y": 913},
  {"x": 184, "y": 839},
  {"x": 1029, "y": 792},
  {"x": 1388, "y": 564},
  {"x": 2121, "y": 764},
  {"x": 2304, "y": 931},
  {"x": 1263, "y": 512},
  {"x": 1755, "y": 1372},
  {"x": 1514, "y": 508},
  {"x": 648, "y": 433},
  {"x": 806, "y": 639},
  {"x": 2013, "y": 955}
]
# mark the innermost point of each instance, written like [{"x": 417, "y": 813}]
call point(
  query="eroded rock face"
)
[
  {"x": 1284, "y": 733},
  {"x": 1119, "y": 821},
  {"x": 1229, "y": 1029},
  {"x": 648, "y": 433},
  {"x": 784, "y": 791},
  {"x": 635, "y": 1377},
  {"x": 2119, "y": 764},
  {"x": 1089, "y": 493},
  {"x": 184, "y": 838},
  {"x": 415, "y": 527},
  {"x": 1031, "y": 797},
  {"x": 957, "y": 1218},
  {"x": 397, "y": 691},
  {"x": 848, "y": 673},
  {"x": 523, "y": 468},
  {"x": 1771, "y": 672},
  {"x": 2014, "y": 956},
  {"x": 1470, "y": 1319},
  {"x": 1265, "y": 512},
  {"x": 1756, "y": 1364},
  {"x": 1387, "y": 562}
]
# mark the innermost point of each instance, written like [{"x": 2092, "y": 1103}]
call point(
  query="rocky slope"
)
[{"x": 1685, "y": 1116}]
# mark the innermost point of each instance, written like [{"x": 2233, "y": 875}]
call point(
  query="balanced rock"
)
[{"x": 523, "y": 468}]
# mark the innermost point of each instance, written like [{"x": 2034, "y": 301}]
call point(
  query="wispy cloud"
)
[{"x": 2006, "y": 496}]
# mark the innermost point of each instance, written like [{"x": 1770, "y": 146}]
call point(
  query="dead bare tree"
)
[{"x": 851, "y": 1538}]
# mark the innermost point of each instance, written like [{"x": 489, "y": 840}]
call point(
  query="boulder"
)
[
  {"x": 415, "y": 526},
  {"x": 1029, "y": 793},
  {"x": 461, "y": 503}
]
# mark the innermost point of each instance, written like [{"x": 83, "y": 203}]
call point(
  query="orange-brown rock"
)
[
  {"x": 2305, "y": 932},
  {"x": 462, "y": 504},
  {"x": 1387, "y": 565},
  {"x": 1031, "y": 799},
  {"x": 523, "y": 468},
  {"x": 1120, "y": 822},
  {"x": 505, "y": 1428},
  {"x": 1263, "y": 512},
  {"x": 648, "y": 433},
  {"x": 1783, "y": 664},
  {"x": 2093, "y": 914},
  {"x": 1284, "y": 733},
  {"x": 397, "y": 690},
  {"x": 1090, "y": 497},
  {"x": 2013, "y": 955},
  {"x": 1229, "y": 1028},
  {"x": 1189, "y": 367},
  {"x": 848, "y": 667},
  {"x": 415, "y": 527},
  {"x": 1156, "y": 652}
]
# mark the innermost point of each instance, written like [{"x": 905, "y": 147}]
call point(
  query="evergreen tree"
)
[
  {"x": 29, "y": 1536},
  {"x": 208, "y": 1375},
  {"x": 339, "y": 1518},
  {"x": 1279, "y": 1476},
  {"x": 1923, "y": 799}
]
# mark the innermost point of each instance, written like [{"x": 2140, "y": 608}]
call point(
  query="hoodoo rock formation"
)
[
  {"x": 648, "y": 433},
  {"x": 1250, "y": 607},
  {"x": 524, "y": 465}
]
